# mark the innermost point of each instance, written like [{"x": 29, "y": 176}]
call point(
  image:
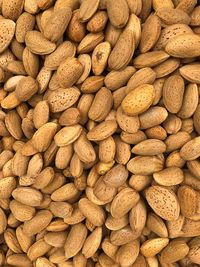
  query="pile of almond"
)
[{"x": 99, "y": 133}]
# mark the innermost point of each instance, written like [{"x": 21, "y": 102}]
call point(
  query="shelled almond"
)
[{"x": 99, "y": 133}]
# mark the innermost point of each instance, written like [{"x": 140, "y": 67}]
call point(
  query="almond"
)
[
  {"x": 12, "y": 9},
  {"x": 187, "y": 6},
  {"x": 190, "y": 102},
  {"x": 44, "y": 178},
  {"x": 191, "y": 73},
  {"x": 180, "y": 249},
  {"x": 150, "y": 59},
  {"x": 27, "y": 196},
  {"x": 58, "y": 20},
  {"x": 88, "y": 9},
  {"x": 187, "y": 195},
  {"x": 61, "y": 209},
  {"x": 102, "y": 130},
  {"x": 127, "y": 254},
  {"x": 107, "y": 149},
  {"x": 191, "y": 149},
  {"x": 63, "y": 51},
  {"x": 180, "y": 45},
  {"x": 142, "y": 76},
  {"x": 149, "y": 147},
  {"x": 156, "y": 196},
  {"x": 26, "y": 88},
  {"x": 123, "y": 202},
  {"x": 100, "y": 57},
  {"x": 150, "y": 33},
  {"x": 3, "y": 221},
  {"x": 116, "y": 79},
  {"x": 137, "y": 165},
  {"x": 167, "y": 67},
  {"x": 7, "y": 27},
  {"x": 157, "y": 225},
  {"x": 84, "y": 149},
  {"x": 123, "y": 50},
  {"x": 169, "y": 33},
  {"x": 38, "y": 44},
  {"x": 13, "y": 124},
  {"x": 37, "y": 249},
  {"x": 173, "y": 89},
  {"x": 92, "y": 243},
  {"x": 30, "y": 62},
  {"x": 68, "y": 135},
  {"x": 40, "y": 140},
  {"x": 138, "y": 100},
  {"x": 127, "y": 123},
  {"x": 152, "y": 117},
  {"x": 62, "y": 99},
  {"x": 39, "y": 222},
  {"x": 41, "y": 114},
  {"x": 21, "y": 212},
  {"x": 76, "y": 30},
  {"x": 196, "y": 119},
  {"x": 89, "y": 42},
  {"x": 63, "y": 156},
  {"x": 165, "y": 4},
  {"x": 65, "y": 192},
  {"x": 169, "y": 176},
  {"x": 98, "y": 22},
  {"x": 25, "y": 23},
  {"x": 69, "y": 72},
  {"x": 94, "y": 213},
  {"x": 173, "y": 16},
  {"x": 7, "y": 185},
  {"x": 122, "y": 236},
  {"x": 92, "y": 84},
  {"x": 75, "y": 240},
  {"x": 114, "y": 8},
  {"x": 86, "y": 61},
  {"x": 101, "y": 105},
  {"x": 152, "y": 247}
]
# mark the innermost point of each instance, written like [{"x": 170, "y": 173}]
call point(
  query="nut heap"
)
[{"x": 99, "y": 126}]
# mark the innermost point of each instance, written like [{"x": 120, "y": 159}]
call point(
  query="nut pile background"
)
[{"x": 99, "y": 126}]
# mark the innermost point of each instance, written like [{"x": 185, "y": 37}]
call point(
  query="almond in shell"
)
[
  {"x": 100, "y": 57},
  {"x": 123, "y": 202},
  {"x": 57, "y": 24},
  {"x": 38, "y": 44},
  {"x": 75, "y": 240},
  {"x": 164, "y": 202},
  {"x": 138, "y": 100},
  {"x": 102, "y": 130},
  {"x": 64, "y": 50},
  {"x": 43, "y": 136},
  {"x": 142, "y": 76},
  {"x": 180, "y": 46},
  {"x": 25, "y": 23},
  {"x": 68, "y": 135},
  {"x": 116, "y": 79},
  {"x": 69, "y": 71},
  {"x": 173, "y": 91},
  {"x": 62, "y": 99},
  {"x": 101, "y": 105},
  {"x": 117, "y": 17},
  {"x": 152, "y": 247},
  {"x": 7, "y": 31},
  {"x": 138, "y": 165},
  {"x": 12, "y": 9},
  {"x": 191, "y": 73},
  {"x": 150, "y": 33},
  {"x": 88, "y": 9}
]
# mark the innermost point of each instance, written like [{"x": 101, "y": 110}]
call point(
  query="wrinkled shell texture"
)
[{"x": 99, "y": 133}]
